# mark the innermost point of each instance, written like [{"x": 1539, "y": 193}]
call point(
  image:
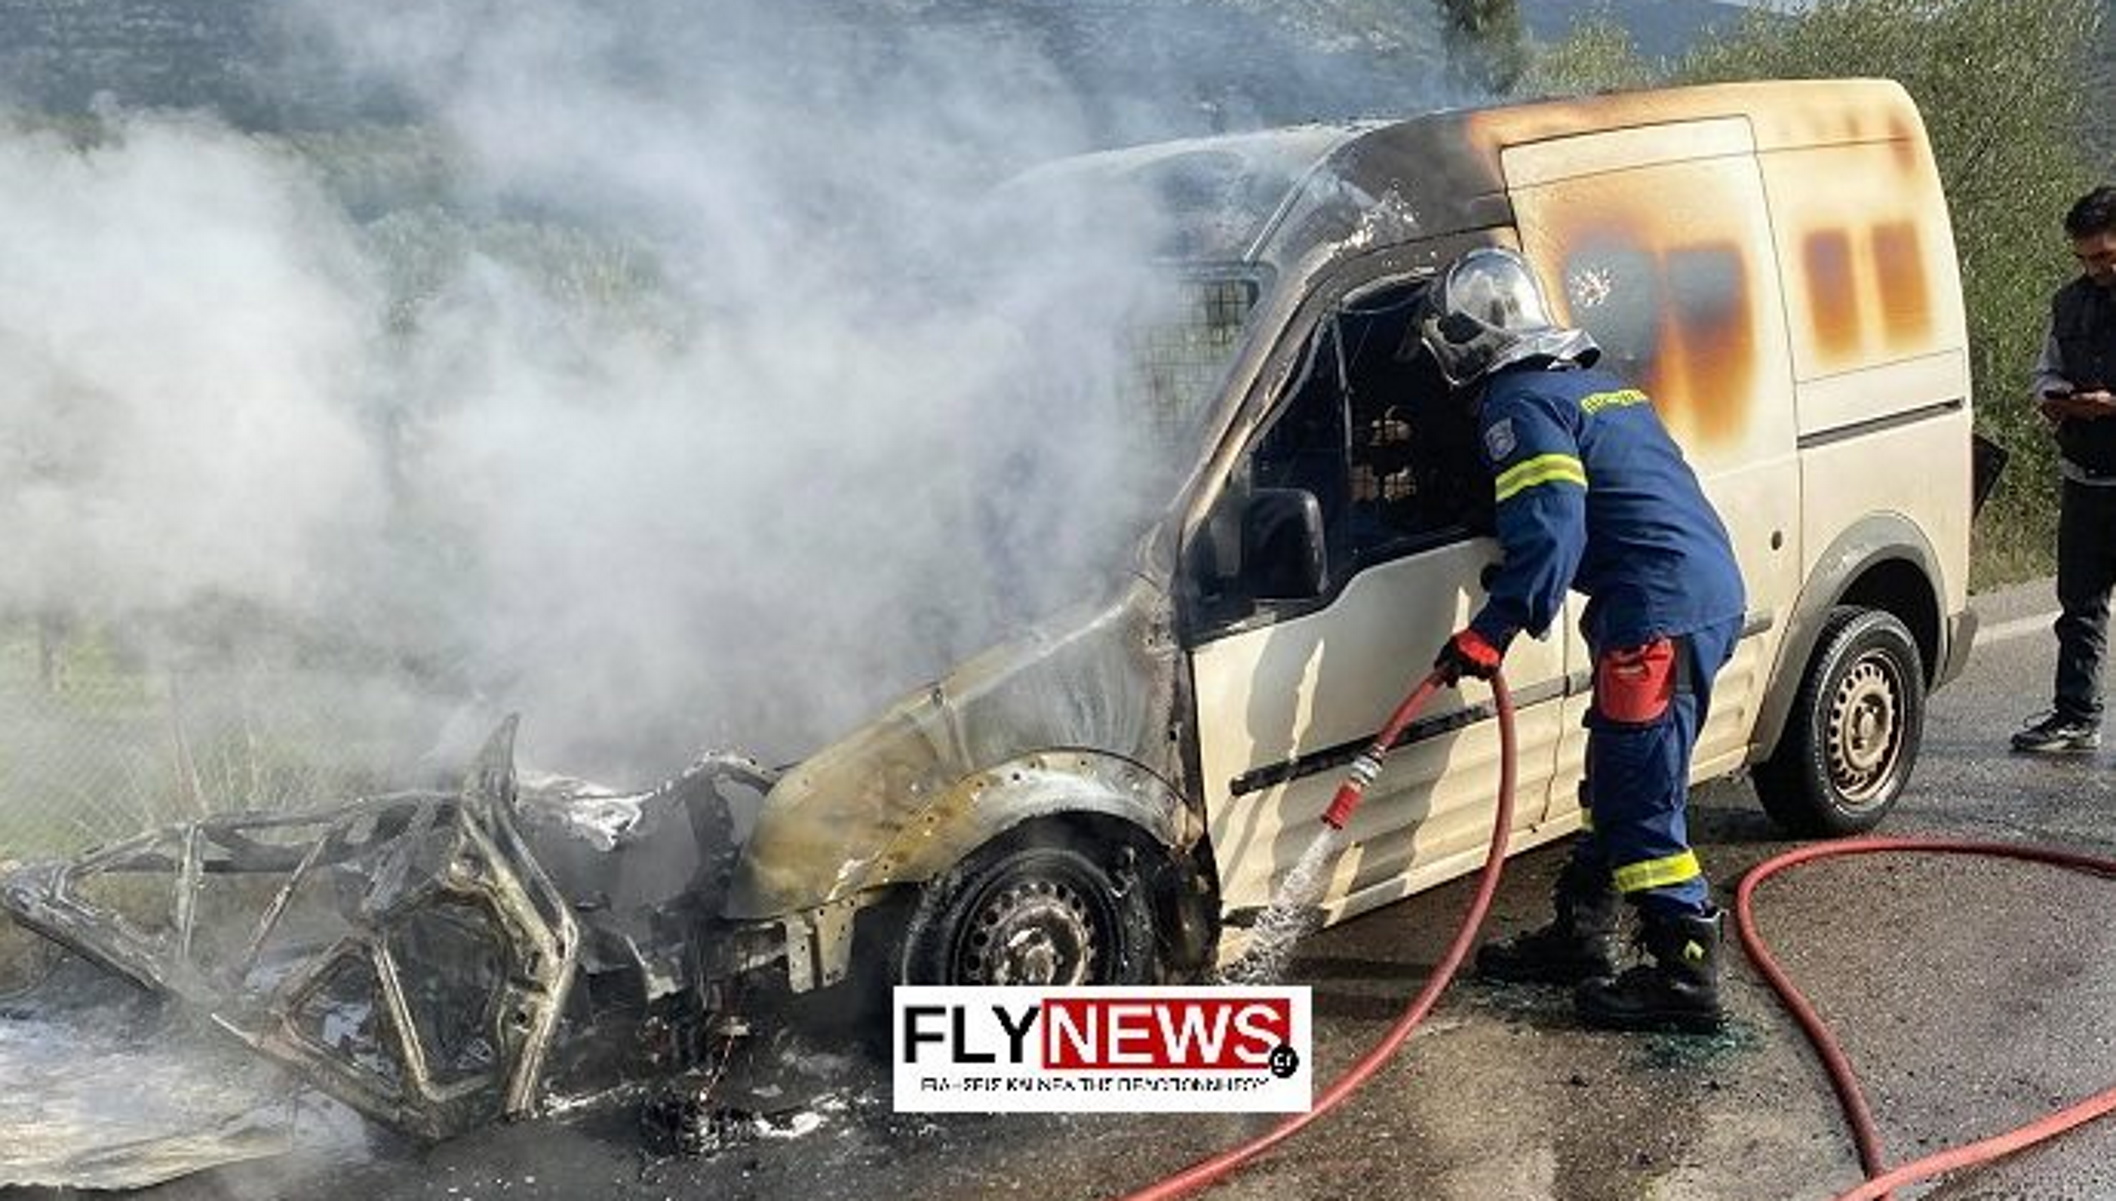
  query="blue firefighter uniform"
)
[{"x": 1592, "y": 494}]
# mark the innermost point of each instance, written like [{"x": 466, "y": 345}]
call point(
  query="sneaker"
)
[{"x": 2058, "y": 734}]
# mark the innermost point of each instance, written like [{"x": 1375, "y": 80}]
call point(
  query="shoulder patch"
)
[{"x": 1499, "y": 439}]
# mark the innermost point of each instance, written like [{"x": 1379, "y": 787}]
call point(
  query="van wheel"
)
[
  {"x": 1853, "y": 734},
  {"x": 1040, "y": 905}
]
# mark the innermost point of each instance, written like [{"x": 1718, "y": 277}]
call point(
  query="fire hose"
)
[
  {"x": 1881, "y": 1179},
  {"x": 1364, "y": 769}
]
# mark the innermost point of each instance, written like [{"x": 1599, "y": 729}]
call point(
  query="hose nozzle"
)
[{"x": 1361, "y": 774}]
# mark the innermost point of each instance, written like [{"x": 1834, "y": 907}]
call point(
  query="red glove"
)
[{"x": 1466, "y": 654}]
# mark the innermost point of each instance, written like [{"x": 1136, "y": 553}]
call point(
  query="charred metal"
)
[{"x": 434, "y": 960}]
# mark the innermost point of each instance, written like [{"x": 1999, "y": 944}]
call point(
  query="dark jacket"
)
[{"x": 2083, "y": 324}]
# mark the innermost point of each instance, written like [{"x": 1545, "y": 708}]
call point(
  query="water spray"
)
[{"x": 1293, "y": 912}]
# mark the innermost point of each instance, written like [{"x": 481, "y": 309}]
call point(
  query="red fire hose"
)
[{"x": 1880, "y": 1178}]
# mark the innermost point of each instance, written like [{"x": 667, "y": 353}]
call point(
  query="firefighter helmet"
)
[{"x": 1486, "y": 311}]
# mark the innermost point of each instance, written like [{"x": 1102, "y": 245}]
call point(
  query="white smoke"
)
[
  {"x": 184, "y": 326},
  {"x": 685, "y": 419}
]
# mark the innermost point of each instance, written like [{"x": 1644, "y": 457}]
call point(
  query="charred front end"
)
[{"x": 437, "y": 960}]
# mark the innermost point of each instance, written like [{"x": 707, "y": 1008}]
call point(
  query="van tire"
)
[
  {"x": 1041, "y": 904},
  {"x": 1852, "y": 736}
]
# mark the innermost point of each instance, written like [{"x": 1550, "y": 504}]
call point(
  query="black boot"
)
[
  {"x": 1679, "y": 990},
  {"x": 1580, "y": 944}
]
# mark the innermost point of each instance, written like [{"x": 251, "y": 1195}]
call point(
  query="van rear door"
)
[{"x": 1657, "y": 240}]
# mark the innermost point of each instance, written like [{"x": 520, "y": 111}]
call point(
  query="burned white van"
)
[
  {"x": 1102, "y": 799},
  {"x": 1092, "y": 802}
]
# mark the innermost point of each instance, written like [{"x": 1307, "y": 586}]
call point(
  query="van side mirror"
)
[{"x": 1284, "y": 553}]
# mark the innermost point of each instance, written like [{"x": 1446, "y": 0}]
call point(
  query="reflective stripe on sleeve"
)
[
  {"x": 1543, "y": 469},
  {"x": 1598, "y": 401}
]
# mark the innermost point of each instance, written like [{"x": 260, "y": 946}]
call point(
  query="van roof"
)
[{"x": 1276, "y": 196}]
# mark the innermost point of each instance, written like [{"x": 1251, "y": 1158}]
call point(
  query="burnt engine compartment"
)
[
  {"x": 435, "y": 960},
  {"x": 646, "y": 876}
]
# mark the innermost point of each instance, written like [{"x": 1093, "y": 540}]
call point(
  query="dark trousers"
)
[
  {"x": 2086, "y": 569},
  {"x": 1638, "y": 786}
]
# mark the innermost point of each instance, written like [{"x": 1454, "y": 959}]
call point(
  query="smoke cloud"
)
[
  {"x": 667, "y": 372},
  {"x": 184, "y": 327},
  {"x": 691, "y": 398}
]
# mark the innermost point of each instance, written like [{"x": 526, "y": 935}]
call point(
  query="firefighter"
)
[{"x": 1593, "y": 495}]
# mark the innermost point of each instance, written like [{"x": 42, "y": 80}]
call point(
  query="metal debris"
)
[{"x": 435, "y": 960}]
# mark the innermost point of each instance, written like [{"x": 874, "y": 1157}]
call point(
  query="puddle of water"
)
[{"x": 1693, "y": 1052}]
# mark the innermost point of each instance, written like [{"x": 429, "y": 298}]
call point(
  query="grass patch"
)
[{"x": 2012, "y": 543}]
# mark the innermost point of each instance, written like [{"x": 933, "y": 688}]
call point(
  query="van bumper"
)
[{"x": 1961, "y": 635}]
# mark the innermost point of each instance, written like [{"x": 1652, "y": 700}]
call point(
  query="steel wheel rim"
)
[
  {"x": 1865, "y": 730},
  {"x": 1030, "y": 931}
]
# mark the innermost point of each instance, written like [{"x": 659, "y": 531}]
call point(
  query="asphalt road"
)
[{"x": 1972, "y": 996}]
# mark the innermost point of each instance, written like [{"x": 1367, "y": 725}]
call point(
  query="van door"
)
[
  {"x": 1290, "y": 688},
  {"x": 1657, "y": 240}
]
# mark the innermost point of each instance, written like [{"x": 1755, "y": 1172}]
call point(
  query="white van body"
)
[{"x": 1105, "y": 798}]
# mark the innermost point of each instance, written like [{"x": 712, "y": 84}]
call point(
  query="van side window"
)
[
  {"x": 1416, "y": 477},
  {"x": 1388, "y": 454},
  {"x": 1306, "y": 447}
]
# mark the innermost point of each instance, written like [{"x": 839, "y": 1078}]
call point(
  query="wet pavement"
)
[{"x": 1972, "y": 995}]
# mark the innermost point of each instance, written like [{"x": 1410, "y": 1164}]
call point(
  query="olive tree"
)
[
  {"x": 1485, "y": 43},
  {"x": 1598, "y": 55}
]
